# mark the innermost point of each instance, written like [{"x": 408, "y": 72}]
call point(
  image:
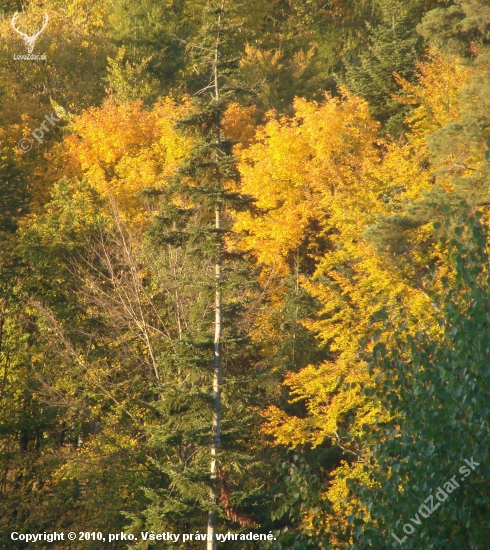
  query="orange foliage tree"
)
[{"x": 324, "y": 173}]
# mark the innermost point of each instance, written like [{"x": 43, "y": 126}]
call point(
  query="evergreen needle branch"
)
[{"x": 192, "y": 46}]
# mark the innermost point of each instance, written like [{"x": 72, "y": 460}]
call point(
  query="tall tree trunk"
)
[
  {"x": 218, "y": 318},
  {"x": 212, "y": 519}
]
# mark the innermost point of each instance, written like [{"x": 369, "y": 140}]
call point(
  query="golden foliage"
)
[
  {"x": 122, "y": 149},
  {"x": 325, "y": 172},
  {"x": 296, "y": 170}
]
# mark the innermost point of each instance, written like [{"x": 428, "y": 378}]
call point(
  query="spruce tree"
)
[
  {"x": 459, "y": 28},
  {"x": 208, "y": 439},
  {"x": 463, "y": 140},
  {"x": 392, "y": 48}
]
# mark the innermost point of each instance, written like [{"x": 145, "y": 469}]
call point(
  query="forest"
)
[{"x": 245, "y": 274}]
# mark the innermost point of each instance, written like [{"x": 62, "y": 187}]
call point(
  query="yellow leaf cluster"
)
[
  {"x": 347, "y": 177},
  {"x": 122, "y": 149},
  {"x": 326, "y": 172},
  {"x": 297, "y": 169}
]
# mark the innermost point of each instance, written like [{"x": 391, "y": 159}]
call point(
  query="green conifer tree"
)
[
  {"x": 458, "y": 28},
  {"x": 392, "y": 48},
  {"x": 463, "y": 140},
  {"x": 204, "y": 442}
]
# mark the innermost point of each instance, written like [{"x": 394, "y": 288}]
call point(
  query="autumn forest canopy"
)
[{"x": 245, "y": 273}]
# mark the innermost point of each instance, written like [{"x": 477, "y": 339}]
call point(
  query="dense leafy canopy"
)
[{"x": 316, "y": 175}]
